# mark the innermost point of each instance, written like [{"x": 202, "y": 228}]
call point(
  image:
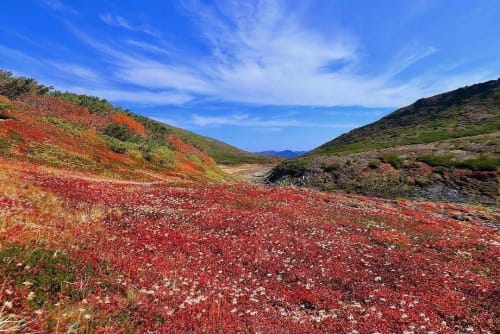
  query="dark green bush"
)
[
  {"x": 120, "y": 132},
  {"x": 394, "y": 159},
  {"x": 117, "y": 147},
  {"x": 294, "y": 168},
  {"x": 374, "y": 164},
  {"x": 331, "y": 168},
  {"x": 433, "y": 160},
  {"x": 14, "y": 87},
  {"x": 483, "y": 163}
]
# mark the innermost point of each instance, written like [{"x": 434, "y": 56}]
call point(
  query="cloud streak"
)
[
  {"x": 59, "y": 6},
  {"x": 120, "y": 21},
  {"x": 248, "y": 121},
  {"x": 262, "y": 53}
]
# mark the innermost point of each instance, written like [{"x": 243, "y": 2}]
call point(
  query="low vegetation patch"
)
[
  {"x": 331, "y": 168},
  {"x": 482, "y": 163},
  {"x": 394, "y": 159},
  {"x": 44, "y": 276},
  {"x": 211, "y": 258},
  {"x": 374, "y": 164},
  {"x": 65, "y": 125},
  {"x": 294, "y": 168}
]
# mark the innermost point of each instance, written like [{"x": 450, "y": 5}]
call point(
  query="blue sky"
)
[{"x": 257, "y": 74}]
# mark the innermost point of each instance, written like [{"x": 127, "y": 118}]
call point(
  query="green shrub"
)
[
  {"x": 395, "y": 160},
  {"x": 117, "y": 147},
  {"x": 3, "y": 106},
  {"x": 374, "y": 164},
  {"x": 331, "y": 168},
  {"x": 94, "y": 104},
  {"x": 120, "y": 132},
  {"x": 440, "y": 170},
  {"x": 294, "y": 168},
  {"x": 14, "y": 87},
  {"x": 483, "y": 163},
  {"x": 63, "y": 124},
  {"x": 445, "y": 160}
]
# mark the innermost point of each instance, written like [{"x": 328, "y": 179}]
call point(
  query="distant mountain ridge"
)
[
  {"x": 284, "y": 154},
  {"x": 444, "y": 147}
]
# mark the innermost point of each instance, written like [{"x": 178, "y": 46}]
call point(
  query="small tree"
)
[{"x": 15, "y": 87}]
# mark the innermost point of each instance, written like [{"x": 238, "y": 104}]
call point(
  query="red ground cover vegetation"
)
[
  {"x": 49, "y": 131},
  {"x": 182, "y": 147},
  {"x": 183, "y": 257},
  {"x": 131, "y": 123}
]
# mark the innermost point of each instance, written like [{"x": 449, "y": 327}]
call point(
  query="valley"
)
[
  {"x": 255, "y": 173},
  {"x": 114, "y": 223}
]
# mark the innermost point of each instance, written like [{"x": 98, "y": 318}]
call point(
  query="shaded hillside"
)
[{"x": 446, "y": 147}]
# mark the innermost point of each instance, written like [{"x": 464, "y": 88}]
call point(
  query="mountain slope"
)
[
  {"x": 463, "y": 112},
  {"x": 49, "y": 131},
  {"x": 221, "y": 152},
  {"x": 89, "y": 134},
  {"x": 445, "y": 147},
  {"x": 147, "y": 142}
]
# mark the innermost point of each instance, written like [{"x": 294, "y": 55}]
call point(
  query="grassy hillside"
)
[
  {"x": 155, "y": 133},
  {"x": 221, "y": 152},
  {"x": 46, "y": 130},
  {"x": 446, "y": 147},
  {"x": 87, "y": 134},
  {"x": 463, "y": 112}
]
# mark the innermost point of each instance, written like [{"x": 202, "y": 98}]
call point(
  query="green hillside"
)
[
  {"x": 463, "y": 112},
  {"x": 445, "y": 147},
  {"x": 221, "y": 152}
]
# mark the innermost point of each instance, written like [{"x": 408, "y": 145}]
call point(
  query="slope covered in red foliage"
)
[
  {"x": 47, "y": 130},
  {"x": 87, "y": 253}
]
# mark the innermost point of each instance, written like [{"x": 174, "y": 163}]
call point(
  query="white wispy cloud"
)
[
  {"x": 77, "y": 70},
  {"x": 246, "y": 120},
  {"x": 148, "y": 47},
  {"x": 59, "y": 6},
  {"x": 120, "y": 21},
  {"x": 263, "y": 53},
  {"x": 260, "y": 52}
]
